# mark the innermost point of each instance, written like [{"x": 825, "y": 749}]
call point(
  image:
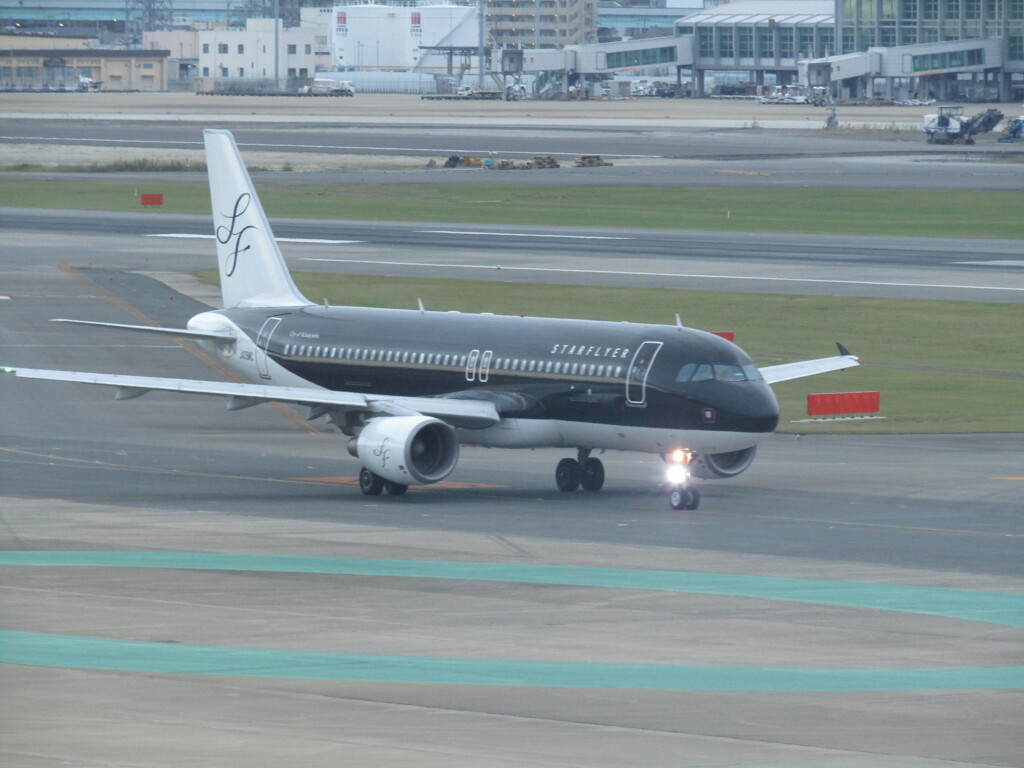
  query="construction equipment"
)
[
  {"x": 590, "y": 161},
  {"x": 950, "y": 126},
  {"x": 1014, "y": 130}
]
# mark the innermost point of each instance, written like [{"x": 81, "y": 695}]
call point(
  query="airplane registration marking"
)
[
  {"x": 54, "y": 650},
  {"x": 189, "y": 236},
  {"x": 629, "y": 273}
]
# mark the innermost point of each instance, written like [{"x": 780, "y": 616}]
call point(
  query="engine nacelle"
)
[
  {"x": 711, "y": 466},
  {"x": 407, "y": 449}
]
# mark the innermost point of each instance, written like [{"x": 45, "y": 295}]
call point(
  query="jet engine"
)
[
  {"x": 407, "y": 449},
  {"x": 712, "y": 466}
]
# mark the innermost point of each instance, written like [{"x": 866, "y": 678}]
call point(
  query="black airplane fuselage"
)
[{"x": 607, "y": 373}]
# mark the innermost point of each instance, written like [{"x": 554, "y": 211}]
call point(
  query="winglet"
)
[{"x": 845, "y": 352}]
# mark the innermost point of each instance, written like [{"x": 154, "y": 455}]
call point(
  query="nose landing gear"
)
[
  {"x": 682, "y": 497},
  {"x": 582, "y": 472},
  {"x": 681, "y": 494}
]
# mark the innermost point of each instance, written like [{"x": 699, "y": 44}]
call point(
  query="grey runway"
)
[{"x": 82, "y": 472}]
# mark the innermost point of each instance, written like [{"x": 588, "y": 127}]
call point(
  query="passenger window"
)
[
  {"x": 532, "y": 364},
  {"x": 703, "y": 373},
  {"x": 575, "y": 367}
]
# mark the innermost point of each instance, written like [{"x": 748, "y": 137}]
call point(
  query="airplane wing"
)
[
  {"x": 776, "y": 373},
  {"x": 473, "y": 414}
]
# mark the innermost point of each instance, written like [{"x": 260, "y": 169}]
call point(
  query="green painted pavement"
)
[
  {"x": 37, "y": 649},
  {"x": 991, "y": 607},
  {"x": 44, "y": 650}
]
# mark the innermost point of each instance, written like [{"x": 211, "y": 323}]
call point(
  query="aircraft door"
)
[
  {"x": 639, "y": 369},
  {"x": 263, "y": 343}
]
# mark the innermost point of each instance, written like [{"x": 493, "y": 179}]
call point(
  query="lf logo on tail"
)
[{"x": 226, "y": 234}]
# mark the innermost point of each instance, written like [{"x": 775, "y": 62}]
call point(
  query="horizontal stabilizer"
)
[
  {"x": 184, "y": 333},
  {"x": 474, "y": 414}
]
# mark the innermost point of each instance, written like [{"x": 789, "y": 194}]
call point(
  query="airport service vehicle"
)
[
  {"x": 479, "y": 93},
  {"x": 950, "y": 126},
  {"x": 1013, "y": 131},
  {"x": 323, "y": 86},
  {"x": 408, "y": 387}
]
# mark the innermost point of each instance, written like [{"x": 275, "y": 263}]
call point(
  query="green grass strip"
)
[{"x": 920, "y": 213}]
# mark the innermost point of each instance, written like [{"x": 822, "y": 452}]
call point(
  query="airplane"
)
[{"x": 409, "y": 386}]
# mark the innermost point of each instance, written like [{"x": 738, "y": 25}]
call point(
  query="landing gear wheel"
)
[
  {"x": 568, "y": 475},
  {"x": 394, "y": 489},
  {"x": 592, "y": 474},
  {"x": 369, "y": 483},
  {"x": 694, "y": 499},
  {"x": 684, "y": 498}
]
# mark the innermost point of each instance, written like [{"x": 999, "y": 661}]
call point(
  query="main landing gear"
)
[
  {"x": 681, "y": 494},
  {"x": 373, "y": 484},
  {"x": 582, "y": 472}
]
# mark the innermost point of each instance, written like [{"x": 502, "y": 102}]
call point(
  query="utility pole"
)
[{"x": 483, "y": 40}]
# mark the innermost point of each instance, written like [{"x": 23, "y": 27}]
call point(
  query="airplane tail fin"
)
[{"x": 252, "y": 270}]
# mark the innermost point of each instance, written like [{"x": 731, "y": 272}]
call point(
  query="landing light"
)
[
  {"x": 677, "y": 474},
  {"x": 679, "y": 456}
]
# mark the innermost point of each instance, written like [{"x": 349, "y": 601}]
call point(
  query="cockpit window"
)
[
  {"x": 729, "y": 373},
  {"x": 718, "y": 372},
  {"x": 703, "y": 373},
  {"x": 686, "y": 372}
]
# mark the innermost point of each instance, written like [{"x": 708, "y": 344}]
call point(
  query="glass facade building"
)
[{"x": 864, "y": 24}]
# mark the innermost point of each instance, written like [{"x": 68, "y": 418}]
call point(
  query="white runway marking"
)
[
  {"x": 186, "y": 235},
  {"x": 994, "y": 263},
  {"x": 502, "y": 268},
  {"x": 490, "y": 151},
  {"x": 519, "y": 234}
]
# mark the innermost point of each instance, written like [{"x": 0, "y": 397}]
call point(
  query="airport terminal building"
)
[{"x": 859, "y": 49}]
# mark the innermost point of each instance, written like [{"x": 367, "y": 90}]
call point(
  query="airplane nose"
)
[{"x": 748, "y": 408}]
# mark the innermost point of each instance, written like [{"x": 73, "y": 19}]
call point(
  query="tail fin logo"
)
[{"x": 227, "y": 234}]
